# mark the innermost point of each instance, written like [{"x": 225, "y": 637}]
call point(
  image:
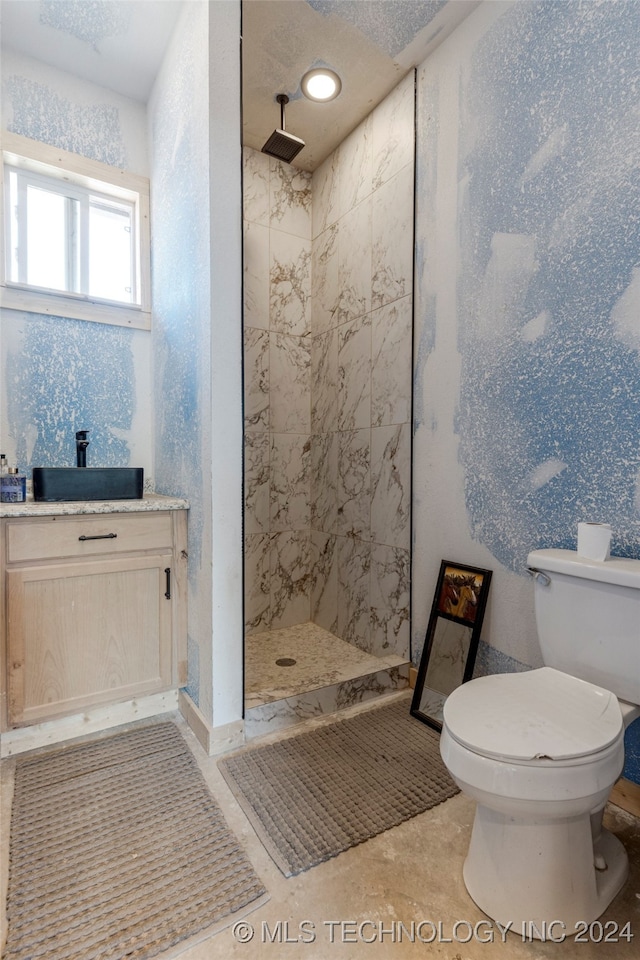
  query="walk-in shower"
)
[{"x": 327, "y": 354}]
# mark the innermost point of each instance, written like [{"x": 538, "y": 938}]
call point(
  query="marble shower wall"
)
[
  {"x": 361, "y": 330},
  {"x": 277, "y": 356},
  {"x": 328, "y": 330}
]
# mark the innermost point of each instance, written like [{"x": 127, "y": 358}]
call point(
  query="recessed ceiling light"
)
[{"x": 321, "y": 84}]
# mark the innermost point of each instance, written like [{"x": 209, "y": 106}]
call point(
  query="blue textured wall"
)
[
  {"x": 60, "y": 375},
  {"x": 181, "y": 293},
  {"x": 550, "y": 401},
  {"x": 632, "y": 752},
  {"x": 527, "y": 360},
  {"x": 70, "y": 375},
  {"x": 43, "y": 114}
]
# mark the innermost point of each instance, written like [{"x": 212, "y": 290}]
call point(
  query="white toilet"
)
[{"x": 540, "y": 751}]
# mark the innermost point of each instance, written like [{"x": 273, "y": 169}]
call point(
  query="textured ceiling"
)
[{"x": 372, "y": 44}]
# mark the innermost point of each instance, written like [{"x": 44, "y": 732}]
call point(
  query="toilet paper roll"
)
[{"x": 594, "y": 540}]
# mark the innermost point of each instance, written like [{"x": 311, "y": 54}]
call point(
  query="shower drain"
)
[{"x": 286, "y": 662}]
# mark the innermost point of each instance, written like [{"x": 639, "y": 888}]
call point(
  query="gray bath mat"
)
[
  {"x": 314, "y": 795},
  {"x": 119, "y": 850}
]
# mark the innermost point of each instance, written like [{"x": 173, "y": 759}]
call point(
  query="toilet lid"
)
[{"x": 540, "y": 714}]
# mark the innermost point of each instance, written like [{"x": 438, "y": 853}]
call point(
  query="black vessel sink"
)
[{"x": 87, "y": 483}]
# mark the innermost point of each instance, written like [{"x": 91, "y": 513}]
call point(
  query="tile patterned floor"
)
[
  {"x": 321, "y": 660},
  {"x": 363, "y": 903}
]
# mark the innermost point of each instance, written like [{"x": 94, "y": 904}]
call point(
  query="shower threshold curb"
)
[{"x": 290, "y": 711}]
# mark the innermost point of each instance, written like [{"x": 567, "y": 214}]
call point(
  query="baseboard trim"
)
[
  {"x": 626, "y": 794},
  {"x": 213, "y": 740},
  {"x": 94, "y": 720}
]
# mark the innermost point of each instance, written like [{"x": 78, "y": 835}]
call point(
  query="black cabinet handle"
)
[
  {"x": 99, "y": 536},
  {"x": 167, "y": 572}
]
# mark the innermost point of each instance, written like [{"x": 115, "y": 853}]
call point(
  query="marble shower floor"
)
[{"x": 322, "y": 660}]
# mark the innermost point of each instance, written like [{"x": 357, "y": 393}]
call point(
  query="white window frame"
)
[{"x": 40, "y": 159}]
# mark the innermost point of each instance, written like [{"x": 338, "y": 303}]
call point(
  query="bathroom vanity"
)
[{"x": 93, "y": 605}]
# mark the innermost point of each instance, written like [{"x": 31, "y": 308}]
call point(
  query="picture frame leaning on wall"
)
[{"x": 452, "y": 638}]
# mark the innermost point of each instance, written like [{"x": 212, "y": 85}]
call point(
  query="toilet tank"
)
[{"x": 588, "y": 618}]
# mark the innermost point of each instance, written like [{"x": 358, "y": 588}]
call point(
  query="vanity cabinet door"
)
[{"x": 85, "y": 633}]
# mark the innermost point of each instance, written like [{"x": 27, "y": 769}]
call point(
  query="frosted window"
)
[
  {"x": 110, "y": 260},
  {"x": 63, "y": 237},
  {"x": 47, "y": 239}
]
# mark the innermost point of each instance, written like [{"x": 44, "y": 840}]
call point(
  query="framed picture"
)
[{"x": 453, "y": 634}]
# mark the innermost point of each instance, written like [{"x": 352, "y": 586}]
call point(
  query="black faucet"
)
[{"x": 81, "y": 447}]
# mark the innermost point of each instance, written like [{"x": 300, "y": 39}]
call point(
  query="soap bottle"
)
[
  {"x": 13, "y": 486},
  {"x": 4, "y": 466}
]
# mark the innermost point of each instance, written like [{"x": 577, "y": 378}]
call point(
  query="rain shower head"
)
[{"x": 283, "y": 145}]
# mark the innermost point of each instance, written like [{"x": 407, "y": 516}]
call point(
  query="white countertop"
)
[{"x": 150, "y": 501}]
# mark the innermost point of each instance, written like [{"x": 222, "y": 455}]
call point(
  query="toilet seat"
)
[{"x": 538, "y": 716}]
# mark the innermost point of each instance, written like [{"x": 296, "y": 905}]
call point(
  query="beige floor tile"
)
[
  {"x": 410, "y": 873},
  {"x": 354, "y": 905}
]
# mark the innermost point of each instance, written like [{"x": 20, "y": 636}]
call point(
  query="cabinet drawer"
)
[{"x": 86, "y": 536}]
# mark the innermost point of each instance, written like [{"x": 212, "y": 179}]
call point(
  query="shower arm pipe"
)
[{"x": 282, "y": 98}]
